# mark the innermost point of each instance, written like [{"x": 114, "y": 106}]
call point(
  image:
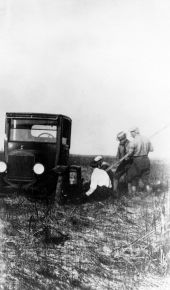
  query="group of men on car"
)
[{"x": 132, "y": 166}]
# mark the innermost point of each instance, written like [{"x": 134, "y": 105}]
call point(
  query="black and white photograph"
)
[{"x": 84, "y": 144}]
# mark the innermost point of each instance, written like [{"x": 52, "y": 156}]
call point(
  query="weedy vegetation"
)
[{"x": 107, "y": 244}]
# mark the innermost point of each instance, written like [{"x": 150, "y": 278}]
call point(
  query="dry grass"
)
[{"x": 107, "y": 244}]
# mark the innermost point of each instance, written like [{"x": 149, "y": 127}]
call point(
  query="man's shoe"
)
[
  {"x": 133, "y": 189},
  {"x": 148, "y": 189}
]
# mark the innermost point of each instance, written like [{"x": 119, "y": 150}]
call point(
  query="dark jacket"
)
[{"x": 122, "y": 149}]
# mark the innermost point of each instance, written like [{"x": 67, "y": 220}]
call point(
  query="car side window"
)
[{"x": 66, "y": 132}]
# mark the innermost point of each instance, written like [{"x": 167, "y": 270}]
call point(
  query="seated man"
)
[
  {"x": 100, "y": 184},
  {"x": 106, "y": 166}
]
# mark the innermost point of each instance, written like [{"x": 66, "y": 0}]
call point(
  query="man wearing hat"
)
[
  {"x": 122, "y": 168},
  {"x": 100, "y": 183},
  {"x": 138, "y": 173},
  {"x": 123, "y": 145}
]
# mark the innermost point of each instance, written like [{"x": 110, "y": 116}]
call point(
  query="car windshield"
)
[{"x": 44, "y": 131}]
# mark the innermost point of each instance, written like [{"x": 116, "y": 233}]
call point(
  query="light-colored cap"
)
[
  {"x": 98, "y": 158},
  {"x": 134, "y": 129},
  {"x": 121, "y": 135},
  {"x": 95, "y": 162}
]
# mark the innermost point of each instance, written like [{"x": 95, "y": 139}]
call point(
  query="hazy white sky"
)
[{"x": 104, "y": 63}]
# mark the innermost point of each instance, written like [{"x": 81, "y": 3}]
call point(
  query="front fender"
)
[{"x": 60, "y": 169}]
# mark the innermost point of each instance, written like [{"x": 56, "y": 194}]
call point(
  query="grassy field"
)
[{"x": 108, "y": 244}]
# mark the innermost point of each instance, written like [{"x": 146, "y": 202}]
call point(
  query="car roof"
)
[{"x": 36, "y": 115}]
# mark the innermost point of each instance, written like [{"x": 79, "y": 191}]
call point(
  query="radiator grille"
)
[{"x": 20, "y": 167}]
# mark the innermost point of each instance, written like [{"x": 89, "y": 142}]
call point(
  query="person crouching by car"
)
[
  {"x": 100, "y": 184},
  {"x": 106, "y": 166}
]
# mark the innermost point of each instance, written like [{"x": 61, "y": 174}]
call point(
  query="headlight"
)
[
  {"x": 73, "y": 177},
  {"x": 38, "y": 168},
  {"x": 3, "y": 166}
]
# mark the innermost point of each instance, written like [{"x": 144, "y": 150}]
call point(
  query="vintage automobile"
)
[{"x": 36, "y": 156}]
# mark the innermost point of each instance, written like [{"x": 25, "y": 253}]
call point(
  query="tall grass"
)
[{"x": 109, "y": 244}]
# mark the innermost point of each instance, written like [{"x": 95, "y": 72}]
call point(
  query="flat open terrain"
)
[{"x": 107, "y": 244}]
